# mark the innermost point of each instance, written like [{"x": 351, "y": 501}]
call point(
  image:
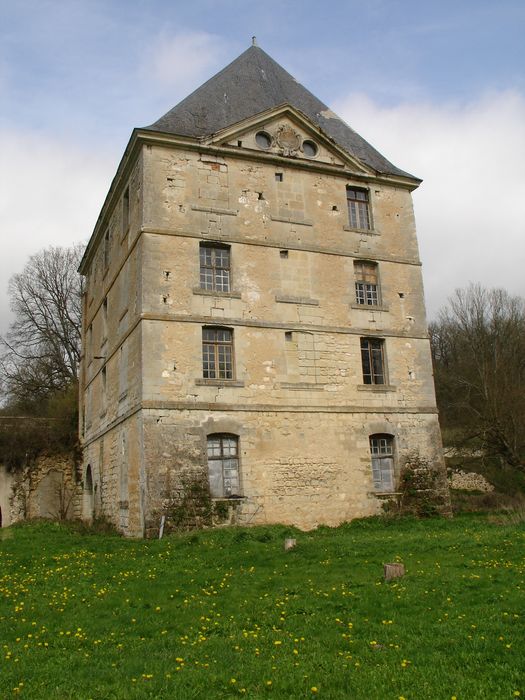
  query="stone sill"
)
[
  {"x": 369, "y": 307},
  {"x": 376, "y": 387},
  {"x": 218, "y": 382},
  {"x": 214, "y": 210},
  {"x": 385, "y": 494},
  {"x": 214, "y": 293},
  {"x": 306, "y": 301},
  {"x": 291, "y": 220},
  {"x": 368, "y": 231},
  {"x": 228, "y": 499},
  {"x": 302, "y": 386}
]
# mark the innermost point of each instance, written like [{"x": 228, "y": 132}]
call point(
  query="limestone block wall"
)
[
  {"x": 297, "y": 400},
  {"x": 321, "y": 368},
  {"x": 112, "y": 479},
  {"x": 298, "y": 468},
  {"x": 47, "y": 488}
]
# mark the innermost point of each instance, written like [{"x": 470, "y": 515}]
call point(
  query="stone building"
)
[{"x": 254, "y": 314}]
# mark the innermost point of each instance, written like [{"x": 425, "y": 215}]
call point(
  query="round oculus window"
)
[
  {"x": 263, "y": 140},
  {"x": 309, "y": 149}
]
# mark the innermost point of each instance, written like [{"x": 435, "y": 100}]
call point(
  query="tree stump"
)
[
  {"x": 393, "y": 571},
  {"x": 289, "y": 543}
]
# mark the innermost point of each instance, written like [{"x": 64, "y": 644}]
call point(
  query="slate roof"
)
[{"x": 254, "y": 83}]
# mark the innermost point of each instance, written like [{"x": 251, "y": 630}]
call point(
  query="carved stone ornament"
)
[{"x": 288, "y": 140}]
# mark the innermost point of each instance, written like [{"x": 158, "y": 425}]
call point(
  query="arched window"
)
[
  {"x": 223, "y": 465},
  {"x": 382, "y": 452}
]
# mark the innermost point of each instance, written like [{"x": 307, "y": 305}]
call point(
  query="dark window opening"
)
[
  {"x": 372, "y": 358},
  {"x": 107, "y": 247},
  {"x": 309, "y": 149},
  {"x": 125, "y": 211},
  {"x": 263, "y": 140}
]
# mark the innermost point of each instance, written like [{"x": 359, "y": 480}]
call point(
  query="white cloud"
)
[
  {"x": 50, "y": 194},
  {"x": 470, "y": 207},
  {"x": 181, "y": 61}
]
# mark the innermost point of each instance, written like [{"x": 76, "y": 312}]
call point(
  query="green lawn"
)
[{"x": 227, "y": 613}]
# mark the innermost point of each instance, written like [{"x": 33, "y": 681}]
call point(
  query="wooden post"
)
[
  {"x": 161, "y": 529},
  {"x": 393, "y": 571},
  {"x": 289, "y": 543}
]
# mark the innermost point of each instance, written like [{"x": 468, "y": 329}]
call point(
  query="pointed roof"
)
[{"x": 254, "y": 83}]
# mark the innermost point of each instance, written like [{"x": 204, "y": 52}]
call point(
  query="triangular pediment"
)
[{"x": 286, "y": 132}]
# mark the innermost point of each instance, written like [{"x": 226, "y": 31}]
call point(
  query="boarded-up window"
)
[
  {"x": 382, "y": 451},
  {"x": 366, "y": 283},
  {"x": 372, "y": 358},
  {"x": 217, "y": 353},
  {"x": 215, "y": 268},
  {"x": 358, "y": 211},
  {"x": 223, "y": 465}
]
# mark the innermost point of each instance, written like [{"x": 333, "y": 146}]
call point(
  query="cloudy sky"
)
[{"x": 438, "y": 88}]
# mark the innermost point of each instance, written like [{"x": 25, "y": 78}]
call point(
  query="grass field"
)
[{"x": 228, "y": 614}]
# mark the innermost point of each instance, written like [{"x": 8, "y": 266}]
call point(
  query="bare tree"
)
[
  {"x": 478, "y": 348},
  {"x": 41, "y": 350}
]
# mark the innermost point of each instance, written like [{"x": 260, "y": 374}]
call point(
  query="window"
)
[
  {"x": 309, "y": 149},
  {"x": 382, "y": 451},
  {"x": 372, "y": 358},
  {"x": 215, "y": 268},
  {"x": 358, "y": 212},
  {"x": 217, "y": 353},
  {"x": 263, "y": 140},
  {"x": 366, "y": 283},
  {"x": 223, "y": 465}
]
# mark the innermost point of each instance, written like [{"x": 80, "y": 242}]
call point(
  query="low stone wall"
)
[
  {"x": 46, "y": 488},
  {"x": 469, "y": 481}
]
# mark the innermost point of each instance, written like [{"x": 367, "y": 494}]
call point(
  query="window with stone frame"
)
[
  {"x": 366, "y": 283},
  {"x": 382, "y": 454},
  {"x": 223, "y": 465},
  {"x": 215, "y": 269},
  {"x": 358, "y": 208},
  {"x": 217, "y": 353},
  {"x": 373, "y": 360}
]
